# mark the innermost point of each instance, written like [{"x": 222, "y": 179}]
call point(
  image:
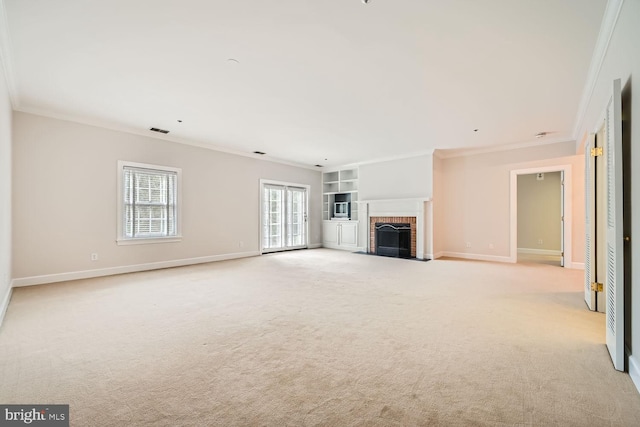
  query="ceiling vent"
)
[
  {"x": 262, "y": 153},
  {"x": 159, "y": 130},
  {"x": 319, "y": 166}
]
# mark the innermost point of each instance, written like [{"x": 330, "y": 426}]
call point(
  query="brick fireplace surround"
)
[{"x": 393, "y": 219}]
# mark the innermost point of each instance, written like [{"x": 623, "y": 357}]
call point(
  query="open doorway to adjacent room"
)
[
  {"x": 540, "y": 218},
  {"x": 541, "y": 215}
]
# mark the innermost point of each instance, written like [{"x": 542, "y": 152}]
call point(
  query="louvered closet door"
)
[
  {"x": 614, "y": 284},
  {"x": 590, "y": 229}
]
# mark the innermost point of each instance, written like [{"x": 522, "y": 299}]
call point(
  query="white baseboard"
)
[
  {"x": 87, "y": 274},
  {"x": 634, "y": 371},
  {"x": 534, "y": 251},
  {"x": 4, "y": 305},
  {"x": 438, "y": 255},
  {"x": 314, "y": 246},
  {"x": 477, "y": 257},
  {"x": 576, "y": 265}
]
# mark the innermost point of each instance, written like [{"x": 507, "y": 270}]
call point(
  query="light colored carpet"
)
[{"x": 317, "y": 338}]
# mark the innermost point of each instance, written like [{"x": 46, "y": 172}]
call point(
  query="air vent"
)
[
  {"x": 262, "y": 153},
  {"x": 159, "y": 130},
  {"x": 319, "y": 166}
]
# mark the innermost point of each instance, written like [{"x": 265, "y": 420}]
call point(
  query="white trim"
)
[
  {"x": 88, "y": 274},
  {"x": 634, "y": 371},
  {"x": 314, "y": 246},
  {"x": 462, "y": 152},
  {"x": 568, "y": 211},
  {"x": 6, "y": 60},
  {"x": 138, "y": 241},
  {"x": 576, "y": 265},
  {"x": 145, "y": 132},
  {"x": 438, "y": 255},
  {"x": 428, "y": 152},
  {"x": 609, "y": 21},
  {"x": 476, "y": 257},
  {"x": 534, "y": 251},
  {"x": 4, "y": 306},
  {"x": 415, "y": 199}
]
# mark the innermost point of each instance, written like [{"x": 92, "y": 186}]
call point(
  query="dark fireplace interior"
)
[{"x": 393, "y": 239}]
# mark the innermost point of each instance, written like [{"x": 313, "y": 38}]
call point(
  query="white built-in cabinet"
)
[
  {"x": 340, "y": 185},
  {"x": 340, "y": 234}
]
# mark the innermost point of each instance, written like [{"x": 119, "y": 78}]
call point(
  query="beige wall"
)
[
  {"x": 5, "y": 193},
  {"x": 64, "y": 202},
  {"x": 539, "y": 211},
  {"x": 476, "y": 199}
]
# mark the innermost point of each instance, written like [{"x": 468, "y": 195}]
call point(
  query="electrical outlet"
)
[
  {"x": 468, "y": 244},
  {"x": 539, "y": 241},
  {"x": 94, "y": 256}
]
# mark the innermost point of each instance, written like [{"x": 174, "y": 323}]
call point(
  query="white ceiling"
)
[{"x": 326, "y": 82}]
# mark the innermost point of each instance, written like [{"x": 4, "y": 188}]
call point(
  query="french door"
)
[{"x": 284, "y": 217}]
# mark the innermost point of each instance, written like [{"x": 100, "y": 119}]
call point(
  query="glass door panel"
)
[{"x": 284, "y": 217}]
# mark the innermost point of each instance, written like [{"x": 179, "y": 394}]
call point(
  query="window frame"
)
[{"x": 121, "y": 238}]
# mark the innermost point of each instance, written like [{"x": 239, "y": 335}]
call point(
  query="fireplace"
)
[
  {"x": 412, "y": 211},
  {"x": 405, "y": 222},
  {"x": 393, "y": 239}
]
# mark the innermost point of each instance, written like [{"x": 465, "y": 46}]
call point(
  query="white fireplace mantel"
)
[{"x": 414, "y": 207}]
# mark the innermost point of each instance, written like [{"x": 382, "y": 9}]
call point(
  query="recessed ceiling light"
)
[
  {"x": 540, "y": 134},
  {"x": 179, "y": 121},
  {"x": 475, "y": 130},
  {"x": 262, "y": 153}
]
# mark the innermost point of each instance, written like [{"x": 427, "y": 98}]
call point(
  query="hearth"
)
[{"x": 393, "y": 239}]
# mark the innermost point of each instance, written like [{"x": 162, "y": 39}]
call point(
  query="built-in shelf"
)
[{"x": 341, "y": 185}]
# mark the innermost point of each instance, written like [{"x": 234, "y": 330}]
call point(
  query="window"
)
[{"x": 147, "y": 203}]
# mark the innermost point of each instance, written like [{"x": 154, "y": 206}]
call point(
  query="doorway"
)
[
  {"x": 540, "y": 218},
  {"x": 283, "y": 215},
  {"x": 563, "y": 215}
]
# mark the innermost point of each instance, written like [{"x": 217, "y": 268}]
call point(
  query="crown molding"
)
[
  {"x": 104, "y": 124},
  {"x": 609, "y": 21},
  {"x": 5, "y": 56},
  {"x": 462, "y": 152}
]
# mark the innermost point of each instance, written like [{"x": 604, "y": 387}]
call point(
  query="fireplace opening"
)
[{"x": 393, "y": 239}]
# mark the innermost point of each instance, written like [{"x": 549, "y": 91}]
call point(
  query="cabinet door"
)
[
  {"x": 330, "y": 233},
  {"x": 349, "y": 234}
]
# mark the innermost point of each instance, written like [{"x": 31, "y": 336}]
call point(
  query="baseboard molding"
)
[
  {"x": 438, "y": 255},
  {"x": 87, "y": 274},
  {"x": 477, "y": 257},
  {"x": 533, "y": 251},
  {"x": 577, "y": 265},
  {"x": 634, "y": 371},
  {"x": 314, "y": 246},
  {"x": 5, "y": 303}
]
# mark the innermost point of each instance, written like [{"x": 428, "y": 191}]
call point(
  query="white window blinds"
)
[{"x": 149, "y": 203}]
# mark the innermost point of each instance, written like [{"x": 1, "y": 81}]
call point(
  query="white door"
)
[
  {"x": 590, "y": 229},
  {"x": 284, "y": 217},
  {"x": 296, "y": 224},
  {"x": 614, "y": 283}
]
